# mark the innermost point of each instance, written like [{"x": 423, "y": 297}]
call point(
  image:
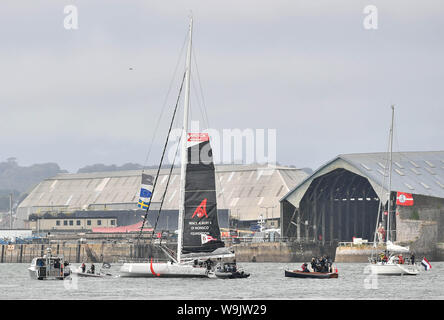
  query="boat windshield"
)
[{"x": 40, "y": 262}]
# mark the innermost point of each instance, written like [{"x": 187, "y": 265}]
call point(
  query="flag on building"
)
[
  {"x": 146, "y": 190},
  {"x": 426, "y": 264},
  {"x": 404, "y": 199}
]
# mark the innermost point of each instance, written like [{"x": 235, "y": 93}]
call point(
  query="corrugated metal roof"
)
[
  {"x": 243, "y": 189},
  {"x": 413, "y": 172}
]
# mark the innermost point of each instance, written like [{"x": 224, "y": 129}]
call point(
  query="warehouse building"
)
[
  {"x": 245, "y": 192},
  {"x": 341, "y": 199}
]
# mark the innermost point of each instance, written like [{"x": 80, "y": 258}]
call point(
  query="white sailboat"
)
[
  {"x": 199, "y": 240},
  {"x": 390, "y": 264}
]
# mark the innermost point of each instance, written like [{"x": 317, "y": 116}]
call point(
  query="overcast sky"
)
[{"x": 308, "y": 69}]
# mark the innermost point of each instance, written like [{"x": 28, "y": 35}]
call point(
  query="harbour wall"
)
[
  {"x": 81, "y": 252},
  {"x": 245, "y": 252},
  {"x": 113, "y": 252},
  {"x": 282, "y": 251},
  {"x": 354, "y": 253}
]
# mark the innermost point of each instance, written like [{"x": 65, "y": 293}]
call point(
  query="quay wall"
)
[
  {"x": 80, "y": 252},
  {"x": 354, "y": 253},
  {"x": 113, "y": 252},
  {"x": 282, "y": 251}
]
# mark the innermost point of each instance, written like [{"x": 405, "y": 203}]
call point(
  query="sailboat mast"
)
[
  {"x": 184, "y": 144},
  {"x": 390, "y": 175}
]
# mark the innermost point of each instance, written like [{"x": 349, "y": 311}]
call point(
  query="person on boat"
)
[
  {"x": 329, "y": 264},
  {"x": 318, "y": 264},
  {"x": 384, "y": 257},
  {"x": 322, "y": 265},
  {"x": 313, "y": 264},
  {"x": 401, "y": 259},
  {"x": 381, "y": 233},
  {"x": 412, "y": 258},
  {"x": 305, "y": 267},
  {"x": 93, "y": 268},
  {"x": 381, "y": 257},
  {"x": 83, "y": 267}
]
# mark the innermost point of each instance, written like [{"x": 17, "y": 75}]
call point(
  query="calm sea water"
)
[{"x": 266, "y": 281}]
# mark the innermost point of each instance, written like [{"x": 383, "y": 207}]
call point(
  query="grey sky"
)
[{"x": 305, "y": 68}]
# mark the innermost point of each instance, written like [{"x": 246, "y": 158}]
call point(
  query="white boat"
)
[
  {"x": 49, "y": 267},
  {"x": 89, "y": 274},
  {"x": 392, "y": 262},
  {"x": 163, "y": 269},
  {"x": 393, "y": 269},
  {"x": 199, "y": 239}
]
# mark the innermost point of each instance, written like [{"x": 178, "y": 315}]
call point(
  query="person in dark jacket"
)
[
  {"x": 322, "y": 264},
  {"x": 313, "y": 264},
  {"x": 329, "y": 264}
]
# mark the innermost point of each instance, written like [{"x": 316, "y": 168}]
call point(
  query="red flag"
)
[{"x": 404, "y": 199}]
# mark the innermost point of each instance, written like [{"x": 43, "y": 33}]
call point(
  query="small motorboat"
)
[
  {"x": 229, "y": 271},
  {"x": 312, "y": 275},
  {"x": 91, "y": 273},
  {"x": 78, "y": 272},
  {"x": 49, "y": 267}
]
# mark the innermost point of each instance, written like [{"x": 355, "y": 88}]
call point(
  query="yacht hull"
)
[
  {"x": 162, "y": 270},
  {"x": 394, "y": 269}
]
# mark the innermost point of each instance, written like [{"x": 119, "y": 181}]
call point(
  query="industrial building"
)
[
  {"x": 341, "y": 199},
  {"x": 73, "y": 223},
  {"x": 245, "y": 192}
]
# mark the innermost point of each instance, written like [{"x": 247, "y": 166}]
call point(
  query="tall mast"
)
[
  {"x": 390, "y": 175},
  {"x": 184, "y": 143}
]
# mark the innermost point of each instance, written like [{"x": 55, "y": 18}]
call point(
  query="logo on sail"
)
[
  {"x": 206, "y": 238},
  {"x": 201, "y": 210}
]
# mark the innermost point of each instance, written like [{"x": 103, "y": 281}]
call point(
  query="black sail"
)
[{"x": 201, "y": 231}]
